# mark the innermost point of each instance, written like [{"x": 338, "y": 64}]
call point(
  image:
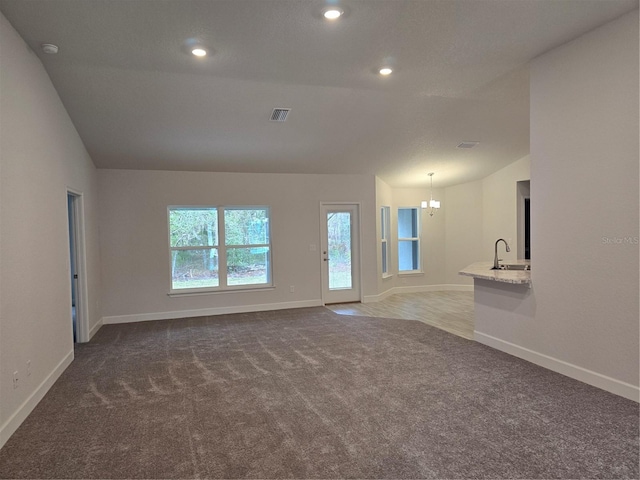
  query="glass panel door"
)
[
  {"x": 339, "y": 250},
  {"x": 340, "y": 253}
]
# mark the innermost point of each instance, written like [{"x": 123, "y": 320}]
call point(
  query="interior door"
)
[
  {"x": 340, "y": 250},
  {"x": 79, "y": 302},
  {"x": 72, "y": 257}
]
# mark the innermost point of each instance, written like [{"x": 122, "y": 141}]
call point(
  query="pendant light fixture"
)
[{"x": 432, "y": 205}]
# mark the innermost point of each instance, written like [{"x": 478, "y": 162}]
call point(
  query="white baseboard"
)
[
  {"x": 93, "y": 330},
  {"x": 377, "y": 298},
  {"x": 609, "y": 384},
  {"x": 417, "y": 289},
  {"x": 23, "y": 411},
  {"x": 205, "y": 312}
]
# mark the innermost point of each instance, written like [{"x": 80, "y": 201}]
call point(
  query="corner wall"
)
[
  {"x": 500, "y": 208},
  {"x": 432, "y": 238},
  {"x": 384, "y": 198},
  {"x": 478, "y": 213},
  {"x": 432, "y": 247},
  {"x": 464, "y": 216},
  {"x": 41, "y": 155},
  {"x": 582, "y": 313}
]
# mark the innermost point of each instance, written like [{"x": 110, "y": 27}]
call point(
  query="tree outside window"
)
[{"x": 200, "y": 261}]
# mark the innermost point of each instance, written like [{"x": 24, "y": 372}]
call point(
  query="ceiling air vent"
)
[
  {"x": 468, "y": 144},
  {"x": 279, "y": 114}
]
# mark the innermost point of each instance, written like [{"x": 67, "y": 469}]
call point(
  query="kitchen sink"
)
[{"x": 514, "y": 266}]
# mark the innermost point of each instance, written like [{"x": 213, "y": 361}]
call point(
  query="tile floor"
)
[{"x": 449, "y": 311}]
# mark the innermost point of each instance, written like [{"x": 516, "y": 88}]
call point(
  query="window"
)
[
  {"x": 246, "y": 233},
  {"x": 385, "y": 213},
  {"x": 408, "y": 240},
  {"x": 217, "y": 248}
]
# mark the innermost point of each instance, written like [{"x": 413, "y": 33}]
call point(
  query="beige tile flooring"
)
[{"x": 449, "y": 311}]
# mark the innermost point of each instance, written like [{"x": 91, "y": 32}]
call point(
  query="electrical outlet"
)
[
  {"x": 292, "y": 288},
  {"x": 28, "y": 368},
  {"x": 15, "y": 379}
]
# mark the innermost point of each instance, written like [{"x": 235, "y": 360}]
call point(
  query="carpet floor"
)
[{"x": 307, "y": 393}]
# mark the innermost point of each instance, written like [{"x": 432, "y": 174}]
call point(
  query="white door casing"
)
[{"x": 340, "y": 252}]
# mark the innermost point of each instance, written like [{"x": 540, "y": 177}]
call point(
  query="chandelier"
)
[{"x": 432, "y": 205}]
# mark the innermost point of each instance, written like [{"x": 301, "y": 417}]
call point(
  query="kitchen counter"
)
[{"x": 482, "y": 270}]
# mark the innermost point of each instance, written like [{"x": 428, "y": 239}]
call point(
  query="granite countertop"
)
[{"x": 483, "y": 270}]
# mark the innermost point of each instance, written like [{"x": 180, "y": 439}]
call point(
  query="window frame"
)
[
  {"x": 385, "y": 240},
  {"x": 222, "y": 247},
  {"x": 418, "y": 239}
]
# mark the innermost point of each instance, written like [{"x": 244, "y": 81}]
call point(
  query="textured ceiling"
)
[{"x": 140, "y": 101}]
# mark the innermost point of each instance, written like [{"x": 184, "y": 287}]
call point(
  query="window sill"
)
[
  {"x": 192, "y": 293},
  {"x": 414, "y": 273},
  {"x": 387, "y": 275}
]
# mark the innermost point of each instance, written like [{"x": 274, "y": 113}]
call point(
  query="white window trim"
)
[
  {"x": 222, "y": 253},
  {"x": 420, "y": 270},
  {"x": 411, "y": 273},
  {"x": 194, "y": 292},
  {"x": 385, "y": 239}
]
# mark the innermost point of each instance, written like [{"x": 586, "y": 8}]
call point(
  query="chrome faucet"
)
[{"x": 496, "y": 265}]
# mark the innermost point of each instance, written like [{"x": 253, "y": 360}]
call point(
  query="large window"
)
[
  {"x": 409, "y": 240},
  {"x": 384, "y": 239},
  {"x": 217, "y": 248}
]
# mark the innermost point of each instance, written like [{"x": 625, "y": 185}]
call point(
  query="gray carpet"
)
[{"x": 308, "y": 393}]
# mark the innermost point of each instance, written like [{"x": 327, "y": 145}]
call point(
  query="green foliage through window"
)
[{"x": 199, "y": 261}]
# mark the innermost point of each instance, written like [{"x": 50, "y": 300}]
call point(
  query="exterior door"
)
[{"x": 340, "y": 250}]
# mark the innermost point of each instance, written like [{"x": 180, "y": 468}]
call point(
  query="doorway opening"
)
[
  {"x": 77, "y": 267},
  {"x": 524, "y": 219}
]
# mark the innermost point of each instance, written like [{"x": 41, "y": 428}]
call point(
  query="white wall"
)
[
  {"x": 432, "y": 237},
  {"x": 432, "y": 242},
  {"x": 477, "y": 214},
  {"x": 41, "y": 155},
  {"x": 582, "y": 312},
  {"x": 384, "y": 198},
  {"x": 464, "y": 219},
  {"x": 135, "y": 255},
  {"x": 500, "y": 207}
]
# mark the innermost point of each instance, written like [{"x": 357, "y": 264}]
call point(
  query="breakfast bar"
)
[
  {"x": 503, "y": 301},
  {"x": 484, "y": 271}
]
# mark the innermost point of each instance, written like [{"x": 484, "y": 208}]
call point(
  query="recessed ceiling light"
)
[
  {"x": 49, "y": 48},
  {"x": 199, "y": 52},
  {"x": 332, "y": 13},
  {"x": 385, "y": 71}
]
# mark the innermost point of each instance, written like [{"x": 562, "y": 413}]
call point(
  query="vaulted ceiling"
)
[{"x": 140, "y": 100}]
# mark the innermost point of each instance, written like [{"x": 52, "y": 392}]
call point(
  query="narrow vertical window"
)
[
  {"x": 385, "y": 214},
  {"x": 408, "y": 240}
]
